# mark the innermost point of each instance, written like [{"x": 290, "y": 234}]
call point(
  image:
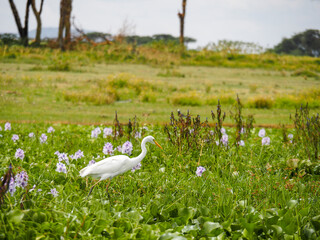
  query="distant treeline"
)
[{"x": 306, "y": 43}]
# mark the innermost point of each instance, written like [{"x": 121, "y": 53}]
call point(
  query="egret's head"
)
[{"x": 151, "y": 139}]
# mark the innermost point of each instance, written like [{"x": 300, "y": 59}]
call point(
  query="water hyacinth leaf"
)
[
  {"x": 117, "y": 233},
  {"x": 123, "y": 224},
  {"x": 169, "y": 236},
  {"x": 309, "y": 233},
  {"x": 134, "y": 215},
  {"x": 291, "y": 229},
  {"x": 277, "y": 230},
  {"x": 304, "y": 211},
  {"x": 15, "y": 216},
  {"x": 316, "y": 222},
  {"x": 187, "y": 213},
  {"x": 292, "y": 203},
  {"x": 208, "y": 227}
]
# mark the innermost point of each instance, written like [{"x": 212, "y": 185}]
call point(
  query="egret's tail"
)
[{"x": 83, "y": 172}]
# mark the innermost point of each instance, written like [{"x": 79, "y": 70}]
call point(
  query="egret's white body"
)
[{"x": 116, "y": 165}]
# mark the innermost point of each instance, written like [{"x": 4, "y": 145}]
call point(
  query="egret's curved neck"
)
[{"x": 141, "y": 156}]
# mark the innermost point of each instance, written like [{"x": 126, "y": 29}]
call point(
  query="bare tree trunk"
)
[
  {"x": 181, "y": 17},
  {"x": 23, "y": 31},
  {"x": 64, "y": 24},
  {"x": 37, "y": 14}
]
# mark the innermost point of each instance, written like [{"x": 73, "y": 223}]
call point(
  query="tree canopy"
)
[{"x": 306, "y": 43}]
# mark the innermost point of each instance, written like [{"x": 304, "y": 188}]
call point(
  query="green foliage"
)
[
  {"x": 260, "y": 102},
  {"x": 248, "y": 192},
  {"x": 306, "y": 43},
  {"x": 186, "y": 99}
]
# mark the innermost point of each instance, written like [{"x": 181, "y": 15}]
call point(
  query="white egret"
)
[{"x": 115, "y": 165}]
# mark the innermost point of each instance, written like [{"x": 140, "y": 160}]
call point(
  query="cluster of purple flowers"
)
[
  {"x": 61, "y": 167},
  {"x": 107, "y": 132},
  {"x": 127, "y": 148},
  {"x": 7, "y": 126},
  {"x": 50, "y": 130},
  {"x": 91, "y": 162},
  {"x": 62, "y": 157},
  {"x": 54, "y": 192},
  {"x": 78, "y": 154},
  {"x": 136, "y": 167},
  {"x": 20, "y": 180},
  {"x": 19, "y": 154},
  {"x": 265, "y": 140},
  {"x": 200, "y": 170},
  {"x": 225, "y": 139},
  {"x": 95, "y": 132},
  {"x": 137, "y": 135},
  {"x": 15, "y": 137},
  {"x": 290, "y": 136},
  {"x": 108, "y": 149},
  {"x": 31, "y": 135},
  {"x": 43, "y": 138},
  {"x": 241, "y": 143}
]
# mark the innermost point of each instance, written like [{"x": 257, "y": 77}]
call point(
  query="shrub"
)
[
  {"x": 63, "y": 66},
  {"x": 94, "y": 97},
  {"x": 148, "y": 97},
  {"x": 171, "y": 73},
  {"x": 186, "y": 99},
  {"x": 224, "y": 99},
  {"x": 305, "y": 73},
  {"x": 260, "y": 102}
]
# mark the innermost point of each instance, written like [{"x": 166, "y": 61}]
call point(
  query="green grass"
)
[
  {"x": 250, "y": 192},
  {"x": 92, "y": 94}
]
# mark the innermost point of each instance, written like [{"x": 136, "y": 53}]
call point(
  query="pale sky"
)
[{"x": 264, "y": 22}]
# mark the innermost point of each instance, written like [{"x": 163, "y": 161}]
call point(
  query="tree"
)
[
  {"x": 64, "y": 35},
  {"x": 306, "y": 43},
  {"x": 37, "y": 14},
  {"x": 23, "y": 31},
  {"x": 181, "y": 17}
]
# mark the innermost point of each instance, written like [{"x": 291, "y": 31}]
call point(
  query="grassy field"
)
[{"x": 33, "y": 92}]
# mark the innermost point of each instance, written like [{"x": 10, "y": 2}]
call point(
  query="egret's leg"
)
[
  {"x": 108, "y": 188},
  {"x": 93, "y": 187}
]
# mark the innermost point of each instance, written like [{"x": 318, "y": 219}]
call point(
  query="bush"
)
[
  {"x": 186, "y": 99},
  {"x": 148, "y": 97},
  {"x": 224, "y": 99},
  {"x": 305, "y": 73},
  {"x": 260, "y": 102}
]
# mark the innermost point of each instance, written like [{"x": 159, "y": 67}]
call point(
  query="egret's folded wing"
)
[{"x": 108, "y": 166}]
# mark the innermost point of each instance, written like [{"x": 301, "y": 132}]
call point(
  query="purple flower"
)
[
  {"x": 54, "y": 192},
  {"x": 224, "y": 139},
  {"x": 22, "y": 179},
  {"x": 43, "y": 138},
  {"x": 63, "y": 157},
  {"x": 290, "y": 136},
  {"x": 95, "y": 132},
  {"x": 119, "y": 148},
  {"x": 50, "y": 130},
  {"x": 31, "y": 135},
  {"x": 241, "y": 143},
  {"x": 15, "y": 137},
  {"x": 33, "y": 187},
  {"x": 200, "y": 170},
  {"x": 136, "y": 167},
  {"x": 0, "y": 128},
  {"x": 78, "y": 154},
  {"x": 108, "y": 149},
  {"x": 262, "y": 133},
  {"x": 211, "y": 132},
  {"x": 61, "y": 167},
  {"x": 137, "y": 135},
  {"x": 107, "y": 132},
  {"x": 19, "y": 154},
  {"x": 242, "y": 131},
  {"x": 265, "y": 141},
  {"x": 12, "y": 186},
  {"x": 7, "y": 126},
  {"x": 127, "y": 148},
  {"x": 91, "y": 162},
  {"x": 223, "y": 131},
  {"x": 57, "y": 153},
  {"x": 217, "y": 143}
]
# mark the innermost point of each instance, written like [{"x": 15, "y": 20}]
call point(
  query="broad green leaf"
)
[
  {"x": 15, "y": 216},
  {"x": 277, "y": 230},
  {"x": 292, "y": 203},
  {"x": 208, "y": 227}
]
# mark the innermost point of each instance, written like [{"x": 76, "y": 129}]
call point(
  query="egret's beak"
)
[{"x": 157, "y": 144}]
